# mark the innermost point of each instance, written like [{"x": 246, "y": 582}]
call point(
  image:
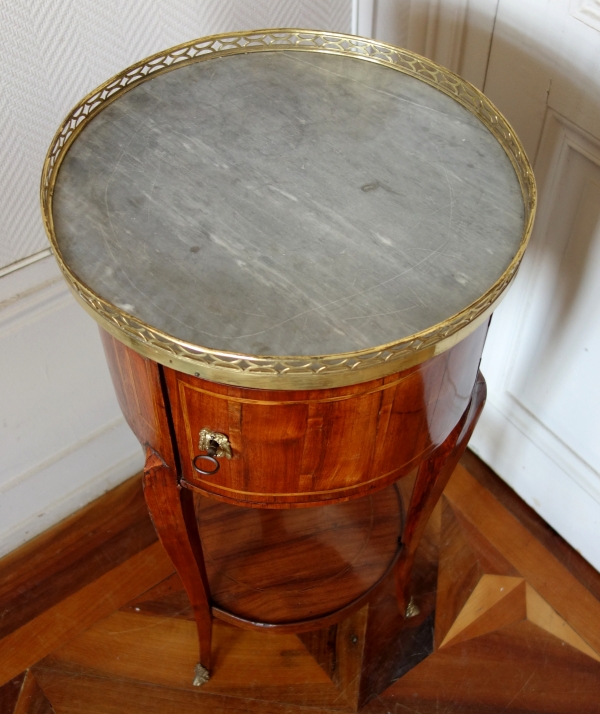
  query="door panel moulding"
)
[{"x": 525, "y": 434}]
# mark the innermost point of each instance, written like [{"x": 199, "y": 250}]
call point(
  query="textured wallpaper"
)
[{"x": 53, "y": 52}]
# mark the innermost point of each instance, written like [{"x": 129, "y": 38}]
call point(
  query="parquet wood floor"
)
[{"x": 93, "y": 620}]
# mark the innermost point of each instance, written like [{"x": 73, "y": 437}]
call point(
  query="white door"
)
[{"x": 539, "y": 61}]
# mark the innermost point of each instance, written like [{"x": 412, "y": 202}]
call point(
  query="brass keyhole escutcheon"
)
[{"x": 216, "y": 445}]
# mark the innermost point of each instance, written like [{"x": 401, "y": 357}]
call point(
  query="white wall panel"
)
[
  {"x": 559, "y": 345},
  {"x": 540, "y": 427},
  {"x": 588, "y": 11},
  {"x": 390, "y": 21},
  {"x": 455, "y": 33},
  {"x": 53, "y": 52},
  {"x": 538, "y": 61},
  {"x": 62, "y": 437}
]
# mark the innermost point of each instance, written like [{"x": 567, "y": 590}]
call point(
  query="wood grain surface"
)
[
  {"x": 247, "y": 664},
  {"x": 528, "y": 651},
  {"x": 295, "y": 448},
  {"x": 294, "y": 565},
  {"x": 65, "y": 619},
  {"x": 553, "y": 582},
  {"x": 32, "y": 699},
  {"x": 23, "y": 695},
  {"x": 61, "y": 561}
]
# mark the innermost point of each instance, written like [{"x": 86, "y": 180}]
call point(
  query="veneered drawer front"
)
[{"x": 294, "y": 448}]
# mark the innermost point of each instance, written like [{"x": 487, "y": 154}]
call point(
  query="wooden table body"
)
[{"x": 296, "y": 449}]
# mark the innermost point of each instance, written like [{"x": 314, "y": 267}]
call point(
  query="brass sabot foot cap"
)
[
  {"x": 201, "y": 676},
  {"x": 412, "y": 609}
]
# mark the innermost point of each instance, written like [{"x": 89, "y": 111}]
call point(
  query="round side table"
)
[{"x": 293, "y": 242}]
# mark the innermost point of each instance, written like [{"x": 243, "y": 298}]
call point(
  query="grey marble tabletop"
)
[{"x": 287, "y": 203}]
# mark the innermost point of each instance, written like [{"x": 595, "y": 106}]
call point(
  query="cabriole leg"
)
[
  {"x": 172, "y": 510},
  {"x": 432, "y": 477}
]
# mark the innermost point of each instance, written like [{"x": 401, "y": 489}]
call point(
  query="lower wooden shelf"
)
[{"x": 298, "y": 569}]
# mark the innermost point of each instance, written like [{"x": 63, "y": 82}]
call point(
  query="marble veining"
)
[{"x": 286, "y": 203}]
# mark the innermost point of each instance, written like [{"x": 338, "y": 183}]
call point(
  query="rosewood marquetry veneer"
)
[{"x": 293, "y": 242}]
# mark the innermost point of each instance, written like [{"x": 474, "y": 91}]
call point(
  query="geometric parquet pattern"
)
[{"x": 517, "y": 626}]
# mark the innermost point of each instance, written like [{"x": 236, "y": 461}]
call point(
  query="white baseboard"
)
[
  {"x": 63, "y": 440},
  {"x": 551, "y": 488},
  {"x": 50, "y": 493}
]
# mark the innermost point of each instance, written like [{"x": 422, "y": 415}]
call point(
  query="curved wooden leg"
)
[
  {"x": 172, "y": 512},
  {"x": 431, "y": 480}
]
